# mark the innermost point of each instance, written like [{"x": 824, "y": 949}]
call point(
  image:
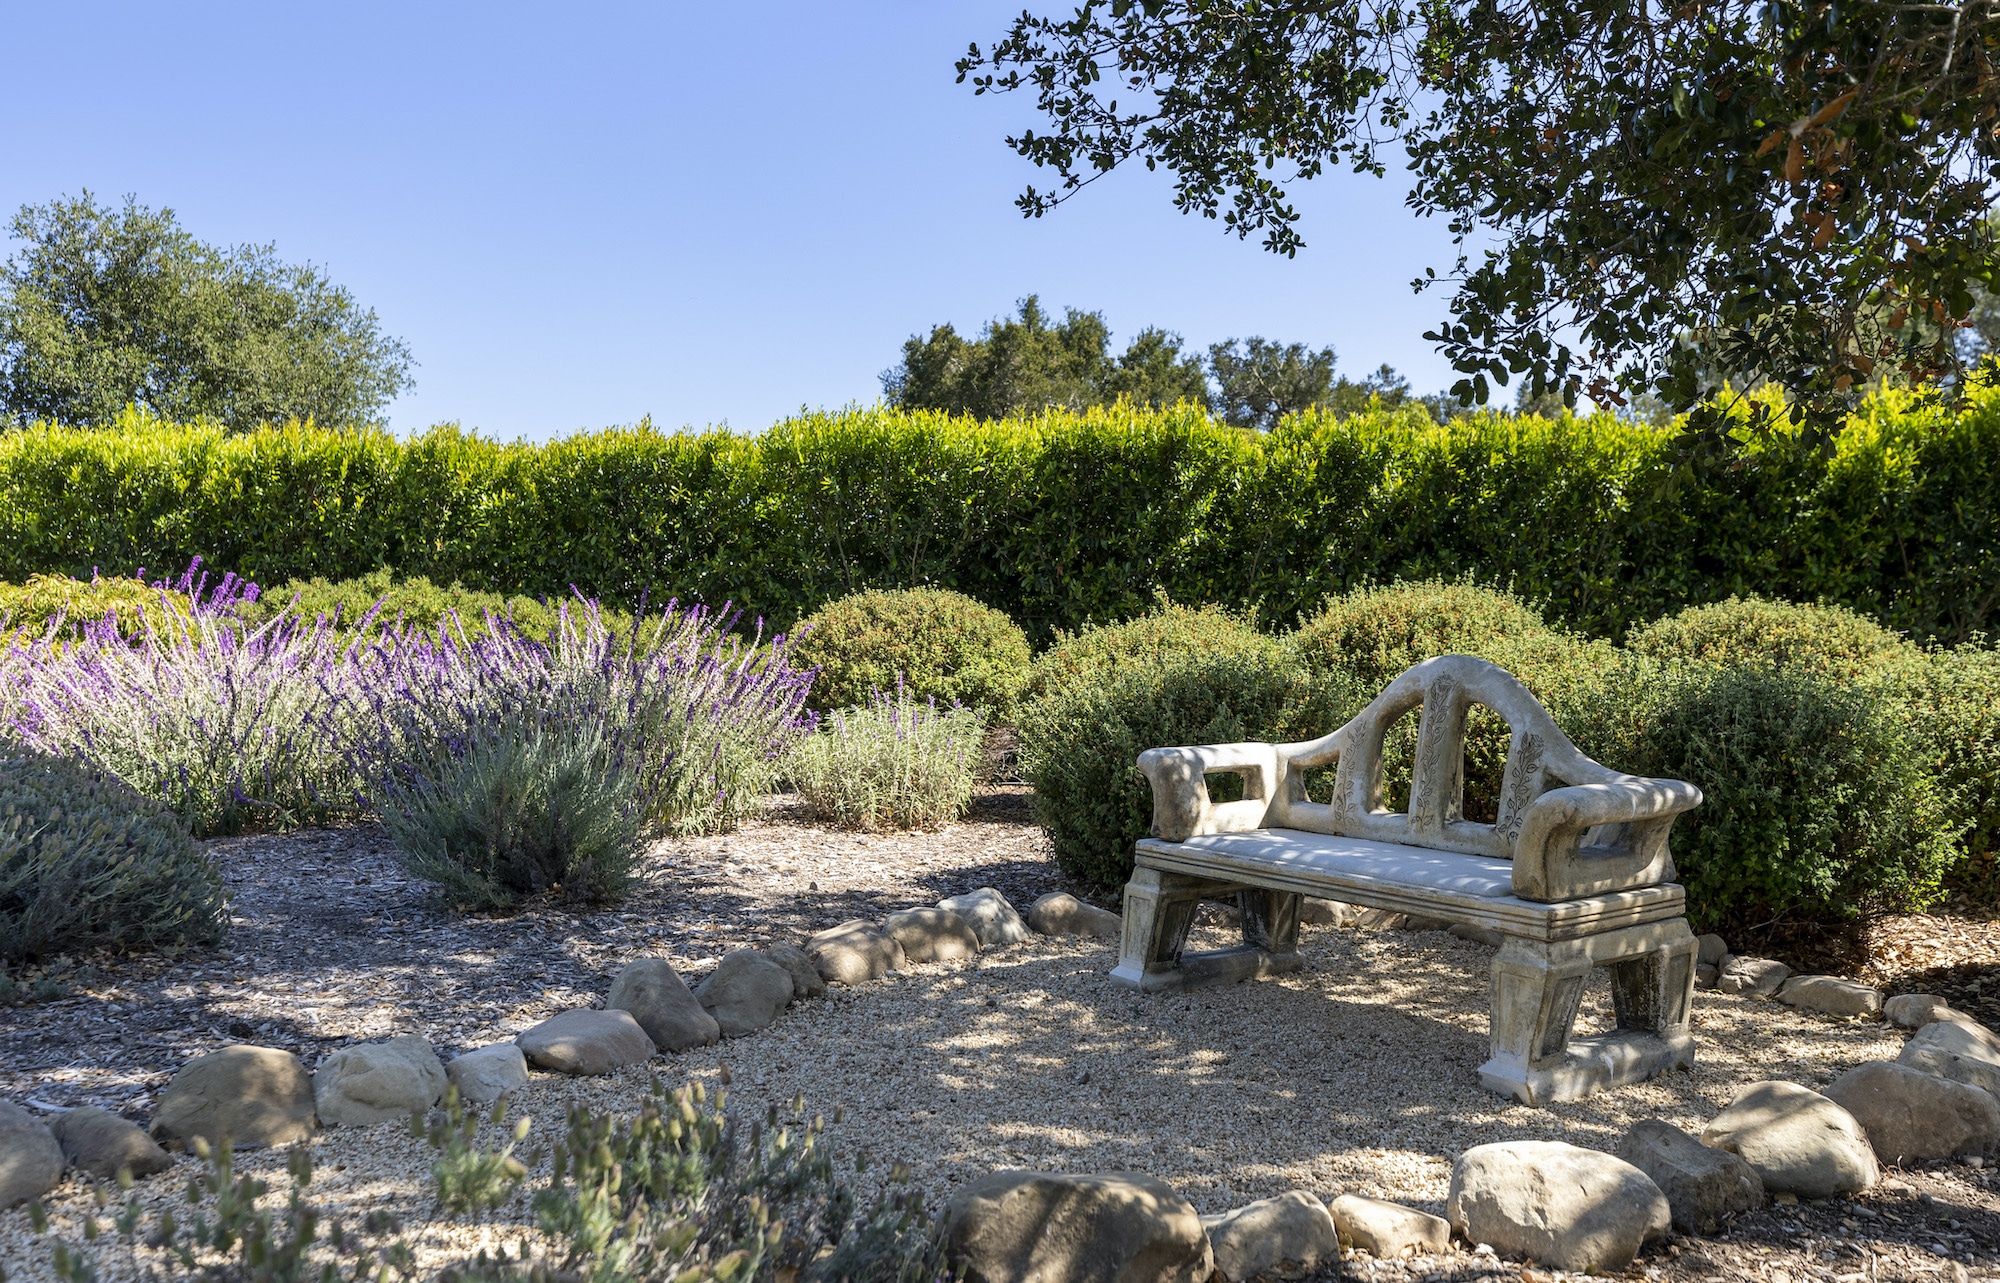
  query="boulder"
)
[
  {"x": 1704, "y": 1185},
  {"x": 253, "y": 1095},
  {"x": 1418, "y": 922},
  {"x": 854, "y": 952},
  {"x": 486, "y": 1074},
  {"x": 378, "y": 1082},
  {"x": 1831, "y": 995},
  {"x": 581, "y": 1041},
  {"x": 807, "y": 982},
  {"x": 1387, "y": 1229},
  {"x": 1114, "y": 1227},
  {"x": 1478, "y": 935},
  {"x": 1705, "y": 975},
  {"x": 1061, "y": 914},
  {"x": 1799, "y": 1141},
  {"x": 1282, "y": 1237},
  {"x": 659, "y": 1000},
  {"x": 1555, "y": 1204},
  {"x": 1315, "y": 912},
  {"x": 1911, "y": 1116},
  {"x": 1754, "y": 976},
  {"x": 31, "y": 1160},
  {"x": 101, "y": 1143},
  {"x": 989, "y": 915},
  {"x": 932, "y": 935},
  {"x": 1959, "y": 1050},
  {"x": 1710, "y": 949},
  {"x": 1915, "y": 1010},
  {"x": 745, "y": 992}
]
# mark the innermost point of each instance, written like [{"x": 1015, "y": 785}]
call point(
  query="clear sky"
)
[{"x": 577, "y": 215}]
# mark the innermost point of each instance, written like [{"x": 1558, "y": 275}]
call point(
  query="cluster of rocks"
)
[{"x": 262, "y": 1096}]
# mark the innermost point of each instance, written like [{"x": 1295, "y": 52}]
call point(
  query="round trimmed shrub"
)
[
  {"x": 1371, "y": 636},
  {"x": 1952, "y": 698},
  {"x": 1175, "y": 677},
  {"x": 85, "y": 862},
  {"x": 1828, "y": 639},
  {"x": 416, "y": 601},
  {"x": 1818, "y": 806},
  {"x": 943, "y": 644}
]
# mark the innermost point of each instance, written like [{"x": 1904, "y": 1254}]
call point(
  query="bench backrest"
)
[{"x": 1539, "y": 757}]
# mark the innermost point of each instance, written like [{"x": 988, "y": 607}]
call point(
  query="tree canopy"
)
[
  {"x": 102, "y": 308},
  {"x": 1647, "y": 198}
]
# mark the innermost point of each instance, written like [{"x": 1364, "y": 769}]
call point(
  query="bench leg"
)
[
  {"x": 1159, "y": 909},
  {"x": 1537, "y": 986}
]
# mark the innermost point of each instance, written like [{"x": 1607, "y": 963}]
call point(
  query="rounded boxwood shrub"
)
[
  {"x": 1370, "y": 636},
  {"x": 415, "y": 601},
  {"x": 943, "y": 644},
  {"x": 1830, "y": 639},
  {"x": 1818, "y": 805},
  {"x": 1174, "y": 677},
  {"x": 85, "y": 863},
  {"x": 1952, "y": 702}
]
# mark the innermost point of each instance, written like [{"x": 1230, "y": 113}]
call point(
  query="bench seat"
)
[{"x": 1476, "y": 890}]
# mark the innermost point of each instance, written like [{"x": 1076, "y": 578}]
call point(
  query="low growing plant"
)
[
  {"x": 411, "y": 602},
  {"x": 1828, "y": 639},
  {"x": 235, "y": 1236},
  {"x": 470, "y": 1177},
  {"x": 87, "y": 863},
  {"x": 897, "y": 762},
  {"x": 29, "y": 609},
  {"x": 943, "y": 645}
]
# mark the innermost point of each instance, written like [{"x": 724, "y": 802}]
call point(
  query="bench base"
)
[
  {"x": 1209, "y": 967},
  {"x": 1592, "y": 1064}
]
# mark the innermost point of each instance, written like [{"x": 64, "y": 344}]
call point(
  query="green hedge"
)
[{"x": 1060, "y": 520}]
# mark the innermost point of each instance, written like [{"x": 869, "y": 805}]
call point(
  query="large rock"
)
[
  {"x": 485, "y": 1074},
  {"x": 1704, "y": 1185},
  {"x": 1061, "y": 914},
  {"x": 807, "y": 982},
  {"x": 1556, "y": 1204},
  {"x": 1316, "y": 912},
  {"x": 932, "y": 935},
  {"x": 101, "y": 1143},
  {"x": 1710, "y": 949},
  {"x": 31, "y": 1160},
  {"x": 1116, "y": 1227},
  {"x": 252, "y": 1095},
  {"x": 1911, "y": 1116},
  {"x": 1799, "y": 1141},
  {"x": 378, "y": 1082},
  {"x": 1831, "y": 995},
  {"x": 1282, "y": 1237},
  {"x": 1915, "y": 1010},
  {"x": 854, "y": 953},
  {"x": 659, "y": 1000},
  {"x": 1956, "y": 1049},
  {"x": 581, "y": 1041},
  {"x": 1387, "y": 1229},
  {"x": 1755, "y": 976},
  {"x": 989, "y": 915},
  {"x": 745, "y": 992}
]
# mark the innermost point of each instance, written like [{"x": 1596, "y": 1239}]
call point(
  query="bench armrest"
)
[
  {"x": 1556, "y": 858},
  {"x": 1181, "y": 808}
]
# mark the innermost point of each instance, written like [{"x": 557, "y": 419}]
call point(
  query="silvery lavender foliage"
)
[
  {"x": 214, "y": 719},
  {"x": 506, "y": 767},
  {"x": 896, "y": 762}
]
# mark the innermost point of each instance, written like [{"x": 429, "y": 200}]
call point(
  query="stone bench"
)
[{"x": 1575, "y": 873}]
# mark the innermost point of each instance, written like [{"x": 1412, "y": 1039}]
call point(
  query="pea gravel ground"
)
[{"x": 1356, "y": 1074}]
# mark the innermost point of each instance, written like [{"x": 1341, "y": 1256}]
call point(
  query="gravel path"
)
[{"x": 1357, "y": 1074}]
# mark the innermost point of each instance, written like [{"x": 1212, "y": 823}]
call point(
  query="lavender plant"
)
[
  {"x": 505, "y": 767},
  {"x": 897, "y": 762},
  {"x": 213, "y": 718}
]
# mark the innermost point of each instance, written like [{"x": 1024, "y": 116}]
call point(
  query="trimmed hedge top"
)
[
  {"x": 1060, "y": 520},
  {"x": 941, "y": 644}
]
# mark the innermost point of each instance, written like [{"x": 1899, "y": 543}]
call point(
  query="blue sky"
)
[{"x": 579, "y": 215}]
